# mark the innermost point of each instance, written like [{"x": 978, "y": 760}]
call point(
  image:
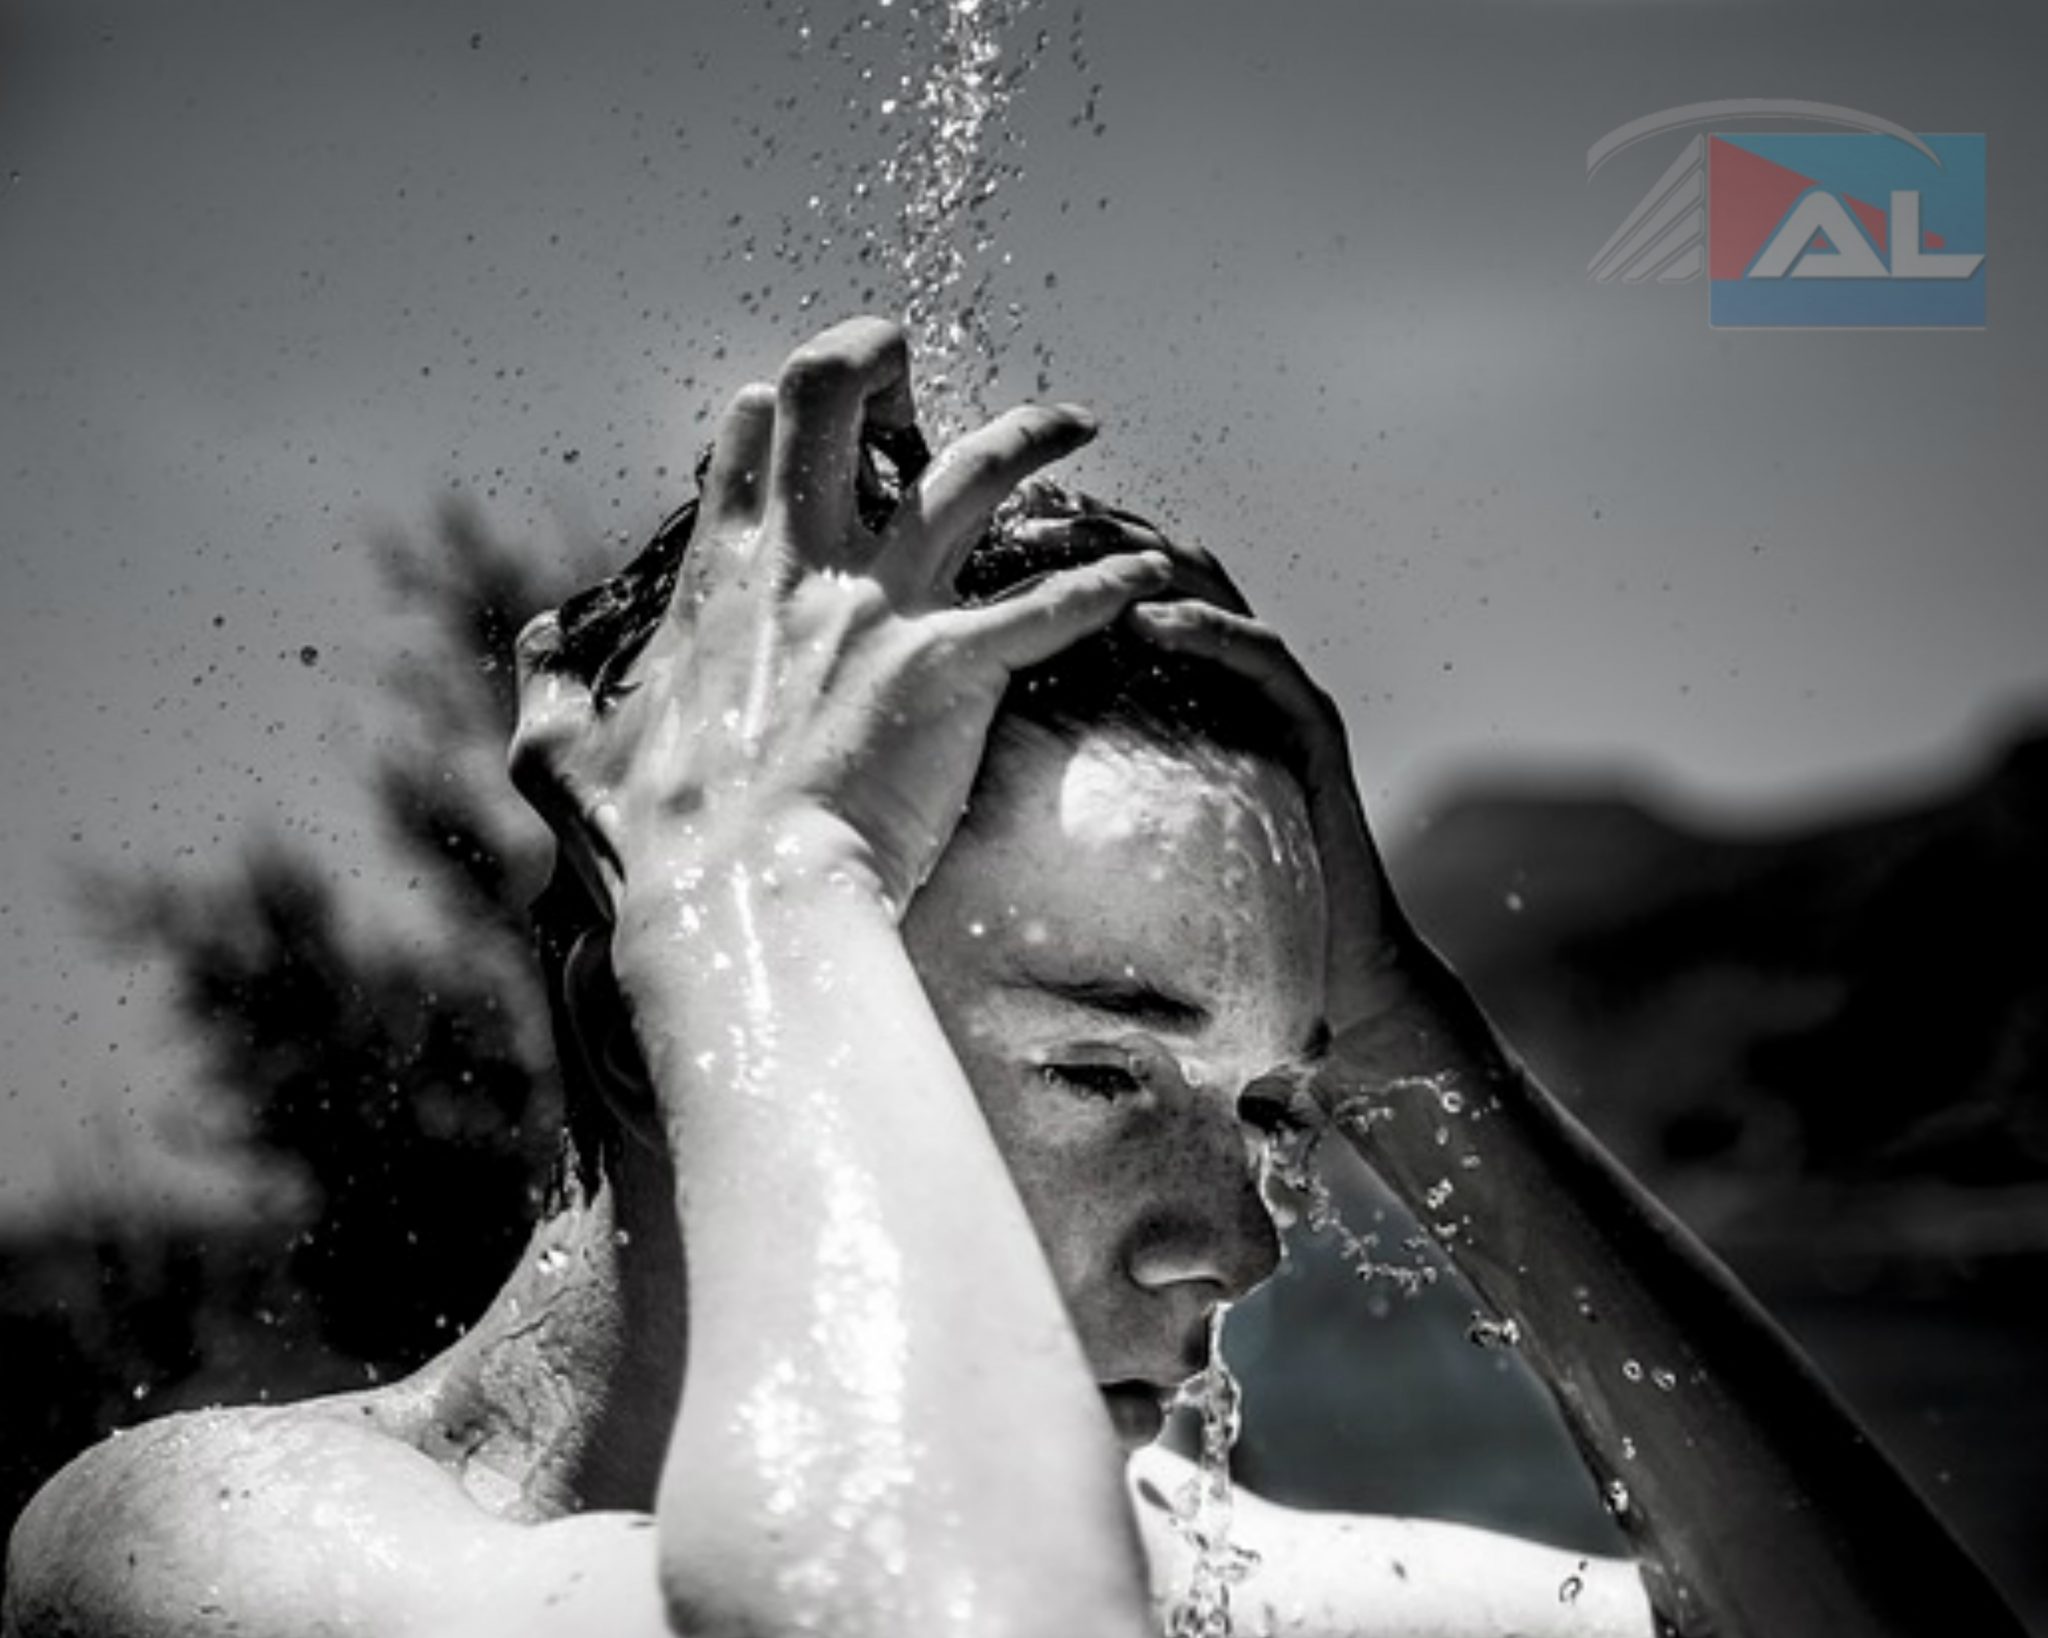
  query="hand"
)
[
  {"x": 810, "y": 669},
  {"x": 1369, "y": 937}
]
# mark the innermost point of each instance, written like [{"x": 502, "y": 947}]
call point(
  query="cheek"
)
[{"x": 1084, "y": 1171}]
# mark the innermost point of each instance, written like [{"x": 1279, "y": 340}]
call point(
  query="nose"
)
[
  {"x": 1211, "y": 1226},
  {"x": 1232, "y": 1248}
]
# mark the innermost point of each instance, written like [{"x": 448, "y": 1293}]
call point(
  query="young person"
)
[{"x": 945, "y": 921}]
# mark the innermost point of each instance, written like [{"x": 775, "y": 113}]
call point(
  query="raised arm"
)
[
  {"x": 869, "y": 1440},
  {"x": 1756, "y": 1504}
]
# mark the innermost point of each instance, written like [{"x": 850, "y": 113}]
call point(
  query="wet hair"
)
[{"x": 1113, "y": 681}]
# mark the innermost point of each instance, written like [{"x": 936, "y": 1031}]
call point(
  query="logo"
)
[{"x": 1873, "y": 227}]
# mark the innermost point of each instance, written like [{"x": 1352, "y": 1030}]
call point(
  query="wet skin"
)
[{"x": 1123, "y": 952}]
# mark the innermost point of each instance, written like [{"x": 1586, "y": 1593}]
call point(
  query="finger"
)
[
  {"x": 1086, "y": 531},
  {"x": 1319, "y": 756},
  {"x": 554, "y": 706},
  {"x": 1239, "y": 643},
  {"x": 1045, "y": 616},
  {"x": 853, "y": 373},
  {"x": 942, "y": 517},
  {"x": 1195, "y": 572},
  {"x": 732, "y": 484}
]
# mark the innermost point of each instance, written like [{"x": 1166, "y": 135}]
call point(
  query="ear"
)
[{"x": 601, "y": 1033}]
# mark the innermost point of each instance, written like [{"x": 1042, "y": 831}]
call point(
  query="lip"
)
[{"x": 1136, "y": 1411}]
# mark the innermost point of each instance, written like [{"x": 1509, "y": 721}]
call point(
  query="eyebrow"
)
[
  {"x": 1139, "y": 1001},
  {"x": 1133, "y": 999}
]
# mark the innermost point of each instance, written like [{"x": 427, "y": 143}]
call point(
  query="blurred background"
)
[{"x": 1696, "y": 678}]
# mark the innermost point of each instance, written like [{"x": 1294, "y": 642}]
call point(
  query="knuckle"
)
[
  {"x": 752, "y": 402},
  {"x": 538, "y": 639},
  {"x": 816, "y": 371},
  {"x": 985, "y": 463},
  {"x": 1036, "y": 431},
  {"x": 891, "y": 342},
  {"x": 867, "y": 603}
]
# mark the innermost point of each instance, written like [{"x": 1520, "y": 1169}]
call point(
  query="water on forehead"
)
[
  {"x": 1116, "y": 790},
  {"x": 1216, "y": 844}
]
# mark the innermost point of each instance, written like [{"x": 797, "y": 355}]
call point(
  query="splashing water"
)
[
  {"x": 1203, "y": 1509},
  {"x": 926, "y": 215},
  {"x": 944, "y": 174},
  {"x": 1290, "y": 1159}
]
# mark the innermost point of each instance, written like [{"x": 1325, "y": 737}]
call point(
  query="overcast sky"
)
[{"x": 272, "y": 275}]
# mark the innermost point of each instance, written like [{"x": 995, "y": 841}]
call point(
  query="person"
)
[{"x": 949, "y": 921}]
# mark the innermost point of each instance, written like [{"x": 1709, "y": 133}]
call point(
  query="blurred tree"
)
[{"x": 390, "y": 1070}]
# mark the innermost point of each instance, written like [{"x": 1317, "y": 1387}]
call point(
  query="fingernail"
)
[{"x": 1084, "y": 418}]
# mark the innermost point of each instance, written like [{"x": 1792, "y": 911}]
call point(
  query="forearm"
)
[
  {"x": 1756, "y": 1503},
  {"x": 888, "y": 1425}
]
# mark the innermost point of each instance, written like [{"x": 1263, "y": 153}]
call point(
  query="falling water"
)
[
  {"x": 945, "y": 174},
  {"x": 1202, "y": 1511},
  {"x": 923, "y": 218}
]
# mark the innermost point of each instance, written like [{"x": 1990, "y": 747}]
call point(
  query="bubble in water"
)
[
  {"x": 1632, "y": 1370},
  {"x": 1616, "y": 1497},
  {"x": 1664, "y": 1379},
  {"x": 1569, "y": 1589}
]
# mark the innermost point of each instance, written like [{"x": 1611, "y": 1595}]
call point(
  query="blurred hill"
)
[{"x": 1828, "y": 1047}]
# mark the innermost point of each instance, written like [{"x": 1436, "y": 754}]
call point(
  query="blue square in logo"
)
[{"x": 1835, "y": 231}]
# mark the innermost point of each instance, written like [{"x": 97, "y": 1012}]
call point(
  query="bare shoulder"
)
[
  {"x": 1349, "y": 1575},
  {"x": 300, "y": 1522}
]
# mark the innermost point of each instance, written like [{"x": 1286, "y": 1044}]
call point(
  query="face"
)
[{"x": 1126, "y": 957}]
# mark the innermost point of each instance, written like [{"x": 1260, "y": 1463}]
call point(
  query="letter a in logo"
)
[{"x": 1792, "y": 250}]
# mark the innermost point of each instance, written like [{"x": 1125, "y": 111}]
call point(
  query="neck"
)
[{"x": 561, "y": 1398}]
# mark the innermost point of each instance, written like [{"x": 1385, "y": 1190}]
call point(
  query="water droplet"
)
[
  {"x": 309, "y": 655},
  {"x": 1616, "y": 1497},
  {"x": 1483, "y": 1332},
  {"x": 1568, "y": 1590},
  {"x": 1632, "y": 1370},
  {"x": 1664, "y": 1379}
]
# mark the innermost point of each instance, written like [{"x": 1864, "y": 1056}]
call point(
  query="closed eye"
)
[{"x": 1094, "y": 1080}]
